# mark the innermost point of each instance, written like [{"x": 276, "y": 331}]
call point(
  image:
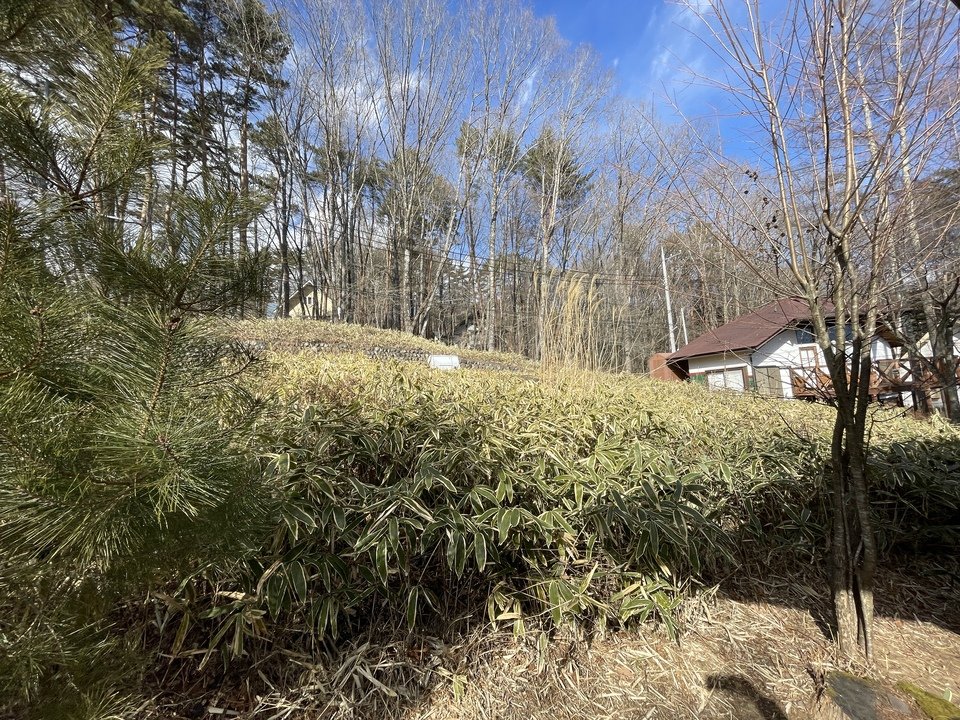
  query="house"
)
[
  {"x": 309, "y": 302},
  {"x": 772, "y": 351}
]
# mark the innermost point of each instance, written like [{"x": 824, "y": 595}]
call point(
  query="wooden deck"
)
[{"x": 887, "y": 376}]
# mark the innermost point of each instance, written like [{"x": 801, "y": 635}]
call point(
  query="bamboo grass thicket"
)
[{"x": 375, "y": 491}]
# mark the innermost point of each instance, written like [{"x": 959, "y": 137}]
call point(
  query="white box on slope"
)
[{"x": 444, "y": 362}]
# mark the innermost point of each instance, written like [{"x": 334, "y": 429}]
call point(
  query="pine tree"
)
[{"x": 124, "y": 432}]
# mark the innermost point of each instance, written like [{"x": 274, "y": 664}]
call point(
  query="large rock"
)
[{"x": 857, "y": 698}]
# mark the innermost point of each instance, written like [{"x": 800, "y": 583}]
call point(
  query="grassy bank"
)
[
  {"x": 327, "y": 337},
  {"x": 395, "y": 497},
  {"x": 561, "y": 498}
]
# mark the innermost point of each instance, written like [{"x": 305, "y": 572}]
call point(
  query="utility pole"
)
[{"x": 666, "y": 294}]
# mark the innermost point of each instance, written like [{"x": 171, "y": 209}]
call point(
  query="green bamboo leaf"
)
[
  {"x": 412, "y": 598},
  {"x": 236, "y": 646},
  {"x": 452, "y": 549},
  {"x": 585, "y": 583},
  {"x": 334, "y": 616},
  {"x": 480, "y": 550},
  {"x": 501, "y": 492},
  {"x": 487, "y": 514},
  {"x": 393, "y": 531},
  {"x": 485, "y": 492},
  {"x": 461, "y": 554},
  {"x": 181, "y": 633},
  {"x": 319, "y": 613},
  {"x": 298, "y": 579},
  {"x": 366, "y": 540},
  {"x": 503, "y": 524},
  {"x": 381, "y": 561},
  {"x": 301, "y": 516},
  {"x": 275, "y": 592},
  {"x": 556, "y": 610},
  {"x": 446, "y": 484},
  {"x": 419, "y": 508},
  {"x": 560, "y": 520}
]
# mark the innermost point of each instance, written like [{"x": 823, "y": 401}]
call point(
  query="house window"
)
[
  {"x": 734, "y": 379},
  {"x": 847, "y": 333},
  {"x": 805, "y": 334},
  {"x": 809, "y": 357}
]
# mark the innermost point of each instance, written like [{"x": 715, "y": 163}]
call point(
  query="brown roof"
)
[{"x": 747, "y": 332}]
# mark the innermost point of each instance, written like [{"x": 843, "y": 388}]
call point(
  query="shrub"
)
[
  {"x": 591, "y": 498},
  {"x": 345, "y": 493}
]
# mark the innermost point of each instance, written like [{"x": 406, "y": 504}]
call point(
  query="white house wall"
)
[
  {"x": 880, "y": 350},
  {"x": 301, "y": 309},
  {"x": 927, "y": 351},
  {"x": 719, "y": 361},
  {"x": 781, "y": 351}
]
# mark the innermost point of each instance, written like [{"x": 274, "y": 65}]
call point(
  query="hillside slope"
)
[
  {"x": 716, "y": 490},
  {"x": 391, "y": 541},
  {"x": 327, "y": 337}
]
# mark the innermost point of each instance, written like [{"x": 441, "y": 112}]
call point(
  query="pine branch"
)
[{"x": 36, "y": 312}]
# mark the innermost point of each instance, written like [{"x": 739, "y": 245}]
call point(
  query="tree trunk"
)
[
  {"x": 244, "y": 183},
  {"x": 866, "y": 559},
  {"x": 203, "y": 119},
  {"x": 284, "y": 257},
  {"x": 947, "y": 371},
  {"x": 853, "y": 549},
  {"x": 174, "y": 134},
  {"x": 491, "y": 283},
  {"x": 393, "y": 299},
  {"x": 543, "y": 287},
  {"x": 405, "y": 324},
  {"x": 146, "y": 209},
  {"x": 841, "y": 570}
]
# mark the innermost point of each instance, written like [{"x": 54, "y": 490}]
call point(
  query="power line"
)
[{"x": 461, "y": 257}]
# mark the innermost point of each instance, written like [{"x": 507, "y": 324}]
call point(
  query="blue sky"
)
[
  {"x": 649, "y": 43},
  {"x": 657, "y": 52}
]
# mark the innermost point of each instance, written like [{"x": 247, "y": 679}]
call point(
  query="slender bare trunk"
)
[
  {"x": 491, "y": 319},
  {"x": 405, "y": 290}
]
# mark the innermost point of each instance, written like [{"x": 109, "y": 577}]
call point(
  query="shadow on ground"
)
[
  {"x": 913, "y": 588},
  {"x": 742, "y": 694}
]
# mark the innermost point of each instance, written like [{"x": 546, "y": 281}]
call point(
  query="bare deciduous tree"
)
[{"x": 838, "y": 138}]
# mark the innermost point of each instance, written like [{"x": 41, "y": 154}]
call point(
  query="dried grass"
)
[
  {"x": 755, "y": 650},
  {"x": 737, "y": 658},
  {"x": 328, "y": 337}
]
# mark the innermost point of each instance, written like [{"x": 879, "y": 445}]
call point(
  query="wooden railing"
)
[{"x": 885, "y": 377}]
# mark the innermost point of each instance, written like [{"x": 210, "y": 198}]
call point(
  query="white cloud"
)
[
  {"x": 527, "y": 88},
  {"x": 680, "y": 71}
]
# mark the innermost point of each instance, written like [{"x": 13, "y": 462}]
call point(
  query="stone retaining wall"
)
[{"x": 375, "y": 353}]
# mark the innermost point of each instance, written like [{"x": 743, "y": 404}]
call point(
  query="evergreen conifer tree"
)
[{"x": 125, "y": 459}]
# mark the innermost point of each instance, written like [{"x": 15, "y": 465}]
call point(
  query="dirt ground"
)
[
  {"x": 740, "y": 659},
  {"x": 753, "y": 651}
]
